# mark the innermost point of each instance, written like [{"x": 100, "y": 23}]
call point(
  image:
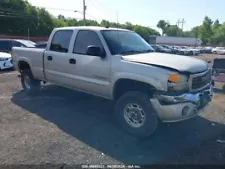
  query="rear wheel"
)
[
  {"x": 135, "y": 114},
  {"x": 29, "y": 84}
]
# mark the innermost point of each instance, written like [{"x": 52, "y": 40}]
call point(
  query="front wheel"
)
[
  {"x": 29, "y": 84},
  {"x": 135, "y": 114}
]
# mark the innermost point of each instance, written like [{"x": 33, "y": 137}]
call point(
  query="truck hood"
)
[{"x": 177, "y": 62}]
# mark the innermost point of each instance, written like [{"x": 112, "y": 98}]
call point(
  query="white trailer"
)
[{"x": 177, "y": 41}]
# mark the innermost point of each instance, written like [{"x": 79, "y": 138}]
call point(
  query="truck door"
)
[
  {"x": 92, "y": 72},
  {"x": 56, "y": 57}
]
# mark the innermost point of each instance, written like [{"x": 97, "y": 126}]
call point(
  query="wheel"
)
[
  {"x": 191, "y": 53},
  {"x": 214, "y": 52},
  {"x": 135, "y": 114},
  {"x": 29, "y": 84}
]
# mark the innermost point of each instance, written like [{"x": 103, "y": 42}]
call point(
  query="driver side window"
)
[{"x": 84, "y": 39}]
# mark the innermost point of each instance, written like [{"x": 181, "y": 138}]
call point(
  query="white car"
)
[
  {"x": 193, "y": 51},
  {"x": 218, "y": 50},
  {"x": 182, "y": 51},
  {"x": 5, "y": 61}
]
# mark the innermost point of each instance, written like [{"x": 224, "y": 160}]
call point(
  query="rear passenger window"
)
[
  {"x": 5, "y": 46},
  {"x": 84, "y": 39},
  {"x": 16, "y": 44},
  {"x": 61, "y": 41}
]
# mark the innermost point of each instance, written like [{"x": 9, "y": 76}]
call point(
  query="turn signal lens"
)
[{"x": 173, "y": 78}]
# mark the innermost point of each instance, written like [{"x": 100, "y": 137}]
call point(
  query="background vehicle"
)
[
  {"x": 182, "y": 51},
  {"x": 5, "y": 61},
  {"x": 168, "y": 40},
  {"x": 201, "y": 49},
  {"x": 174, "y": 50},
  {"x": 146, "y": 86},
  {"x": 218, "y": 50},
  {"x": 6, "y": 45},
  {"x": 41, "y": 45},
  {"x": 161, "y": 49},
  {"x": 208, "y": 49},
  {"x": 193, "y": 51}
]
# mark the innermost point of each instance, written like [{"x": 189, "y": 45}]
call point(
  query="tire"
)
[
  {"x": 191, "y": 53},
  {"x": 215, "y": 52},
  {"x": 142, "y": 100},
  {"x": 29, "y": 84},
  {"x": 182, "y": 53}
]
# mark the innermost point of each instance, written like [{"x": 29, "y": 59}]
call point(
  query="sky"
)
[{"x": 143, "y": 12}]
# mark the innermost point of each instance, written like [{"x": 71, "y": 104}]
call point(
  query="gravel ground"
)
[{"x": 62, "y": 126}]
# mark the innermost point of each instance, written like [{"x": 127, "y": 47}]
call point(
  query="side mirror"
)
[
  {"x": 208, "y": 61},
  {"x": 95, "y": 51}
]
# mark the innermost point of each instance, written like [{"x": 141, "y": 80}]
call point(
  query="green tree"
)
[
  {"x": 162, "y": 24},
  {"x": 173, "y": 30}
]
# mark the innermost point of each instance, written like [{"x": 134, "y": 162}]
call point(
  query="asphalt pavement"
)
[{"x": 58, "y": 126}]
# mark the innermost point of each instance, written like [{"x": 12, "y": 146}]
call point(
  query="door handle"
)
[
  {"x": 49, "y": 57},
  {"x": 72, "y": 61}
]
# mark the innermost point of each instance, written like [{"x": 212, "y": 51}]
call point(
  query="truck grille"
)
[{"x": 201, "y": 81}]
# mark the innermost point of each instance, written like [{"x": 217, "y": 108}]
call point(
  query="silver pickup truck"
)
[{"x": 119, "y": 65}]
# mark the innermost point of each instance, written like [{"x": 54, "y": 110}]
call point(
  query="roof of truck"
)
[{"x": 90, "y": 28}]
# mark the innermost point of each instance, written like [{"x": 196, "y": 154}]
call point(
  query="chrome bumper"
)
[{"x": 181, "y": 107}]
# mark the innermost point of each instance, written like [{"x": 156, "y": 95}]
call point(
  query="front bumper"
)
[{"x": 183, "y": 106}]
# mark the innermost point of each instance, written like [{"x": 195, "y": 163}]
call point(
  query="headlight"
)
[{"x": 177, "y": 82}]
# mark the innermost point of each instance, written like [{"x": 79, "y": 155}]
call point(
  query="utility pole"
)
[
  {"x": 178, "y": 24},
  {"x": 28, "y": 34},
  {"x": 84, "y": 11},
  {"x": 182, "y": 26}
]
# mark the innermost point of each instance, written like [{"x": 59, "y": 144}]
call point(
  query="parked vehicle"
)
[
  {"x": 173, "y": 50},
  {"x": 218, "y": 70},
  {"x": 161, "y": 49},
  {"x": 218, "y": 50},
  {"x": 182, "y": 51},
  {"x": 193, "y": 51},
  {"x": 179, "y": 41},
  {"x": 41, "y": 45},
  {"x": 208, "y": 49},
  {"x": 146, "y": 86},
  {"x": 201, "y": 49},
  {"x": 7, "y": 44},
  {"x": 5, "y": 61}
]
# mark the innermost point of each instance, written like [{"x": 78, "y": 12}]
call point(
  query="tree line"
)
[
  {"x": 17, "y": 16},
  {"x": 210, "y": 32}
]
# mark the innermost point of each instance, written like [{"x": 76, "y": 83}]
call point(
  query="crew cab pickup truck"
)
[{"x": 119, "y": 65}]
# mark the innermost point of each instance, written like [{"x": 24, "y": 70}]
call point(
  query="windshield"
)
[
  {"x": 167, "y": 47},
  {"x": 27, "y": 43},
  {"x": 160, "y": 47},
  {"x": 125, "y": 42}
]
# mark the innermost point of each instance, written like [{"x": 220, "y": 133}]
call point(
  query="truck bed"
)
[{"x": 33, "y": 56}]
